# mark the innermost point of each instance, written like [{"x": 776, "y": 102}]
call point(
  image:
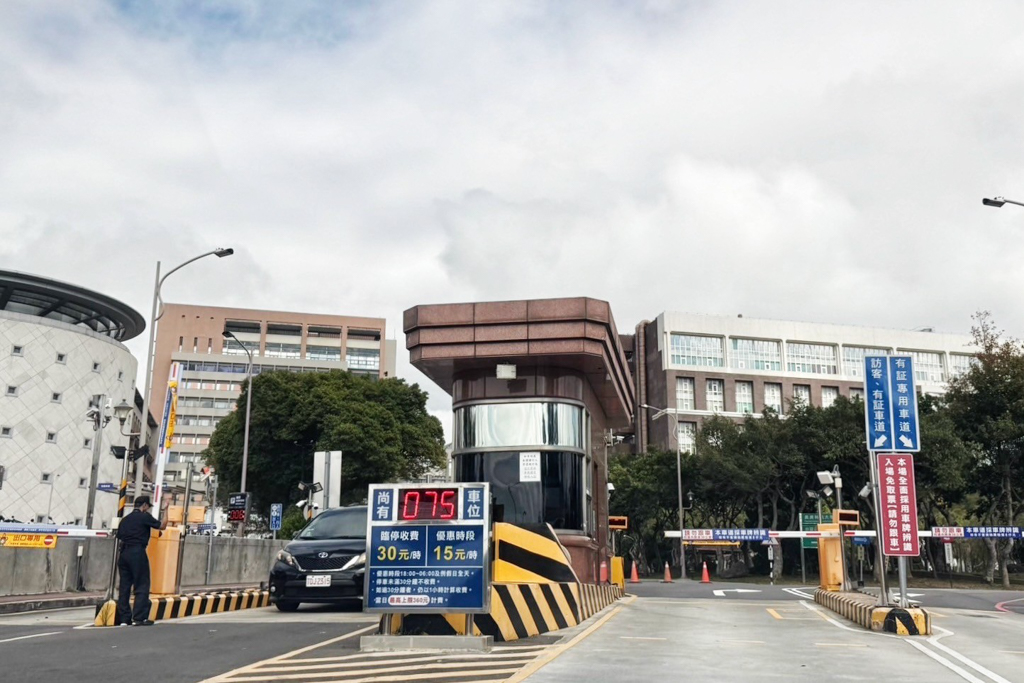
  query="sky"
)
[{"x": 805, "y": 161}]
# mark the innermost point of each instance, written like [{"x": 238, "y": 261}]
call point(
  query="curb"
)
[
  {"x": 30, "y": 605},
  {"x": 196, "y": 604},
  {"x": 862, "y": 610}
]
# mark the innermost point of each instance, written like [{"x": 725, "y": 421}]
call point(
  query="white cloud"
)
[{"x": 792, "y": 160}]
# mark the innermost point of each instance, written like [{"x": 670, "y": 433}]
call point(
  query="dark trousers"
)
[{"x": 133, "y": 568}]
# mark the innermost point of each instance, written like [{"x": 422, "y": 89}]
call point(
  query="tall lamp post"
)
[
  {"x": 998, "y": 202},
  {"x": 679, "y": 479},
  {"x": 153, "y": 318},
  {"x": 248, "y": 411}
]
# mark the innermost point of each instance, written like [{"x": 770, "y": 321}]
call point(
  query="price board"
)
[
  {"x": 427, "y": 548},
  {"x": 238, "y": 507}
]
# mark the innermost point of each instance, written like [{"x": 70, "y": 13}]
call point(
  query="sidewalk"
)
[{"x": 14, "y": 604}]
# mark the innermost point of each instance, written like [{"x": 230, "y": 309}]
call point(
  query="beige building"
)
[{"x": 214, "y": 367}]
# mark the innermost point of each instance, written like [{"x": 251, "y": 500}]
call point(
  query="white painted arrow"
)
[{"x": 721, "y": 593}]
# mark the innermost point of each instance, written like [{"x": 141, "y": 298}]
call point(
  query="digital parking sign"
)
[{"x": 427, "y": 548}]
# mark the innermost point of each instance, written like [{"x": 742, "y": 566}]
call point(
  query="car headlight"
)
[
  {"x": 356, "y": 561},
  {"x": 286, "y": 557}
]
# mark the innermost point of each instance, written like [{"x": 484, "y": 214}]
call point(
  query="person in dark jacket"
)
[{"x": 133, "y": 564}]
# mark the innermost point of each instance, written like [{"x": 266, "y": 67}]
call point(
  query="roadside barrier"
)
[
  {"x": 861, "y": 609},
  {"x": 194, "y": 604}
]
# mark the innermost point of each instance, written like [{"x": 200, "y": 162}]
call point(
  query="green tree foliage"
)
[{"x": 382, "y": 427}]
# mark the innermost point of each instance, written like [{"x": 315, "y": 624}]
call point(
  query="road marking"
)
[
  {"x": 1012, "y": 652},
  {"x": 945, "y": 662},
  {"x": 934, "y": 640},
  {"x": 721, "y": 593},
  {"x": 798, "y": 592},
  {"x": 840, "y": 644},
  {"x": 34, "y": 635},
  {"x": 999, "y": 606},
  {"x": 745, "y": 642},
  {"x": 640, "y": 638},
  {"x": 773, "y": 613}
]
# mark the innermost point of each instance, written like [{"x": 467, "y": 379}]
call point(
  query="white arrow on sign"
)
[{"x": 721, "y": 593}]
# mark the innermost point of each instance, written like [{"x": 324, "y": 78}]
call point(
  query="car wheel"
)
[{"x": 287, "y": 605}]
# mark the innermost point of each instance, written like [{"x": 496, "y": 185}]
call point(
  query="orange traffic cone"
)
[
  {"x": 604, "y": 572},
  {"x": 668, "y": 574},
  {"x": 704, "y": 578},
  {"x": 633, "y": 576}
]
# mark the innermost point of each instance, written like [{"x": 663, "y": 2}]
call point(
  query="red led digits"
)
[{"x": 429, "y": 504}]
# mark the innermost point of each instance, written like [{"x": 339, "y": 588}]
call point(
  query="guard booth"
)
[{"x": 536, "y": 386}]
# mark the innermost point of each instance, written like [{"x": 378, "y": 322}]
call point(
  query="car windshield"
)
[{"x": 348, "y": 523}]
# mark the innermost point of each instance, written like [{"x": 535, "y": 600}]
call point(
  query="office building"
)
[
  {"x": 61, "y": 353},
  {"x": 214, "y": 367},
  {"x": 695, "y": 366}
]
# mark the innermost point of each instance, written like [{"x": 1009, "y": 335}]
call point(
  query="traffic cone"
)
[
  {"x": 668, "y": 574},
  {"x": 634, "y": 577},
  {"x": 604, "y": 571},
  {"x": 704, "y": 578}
]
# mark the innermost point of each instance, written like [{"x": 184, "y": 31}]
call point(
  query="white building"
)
[
  {"x": 699, "y": 365},
  {"x": 60, "y": 348}
]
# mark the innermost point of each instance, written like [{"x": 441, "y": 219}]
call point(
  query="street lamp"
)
[
  {"x": 248, "y": 405},
  {"x": 998, "y": 202},
  {"x": 679, "y": 479},
  {"x": 150, "y": 351}
]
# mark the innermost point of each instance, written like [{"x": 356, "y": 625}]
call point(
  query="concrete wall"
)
[{"x": 28, "y": 571}]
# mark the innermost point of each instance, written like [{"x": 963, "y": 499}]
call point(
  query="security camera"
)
[
  {"x": 301, "y": 504},
  {"x": 866, "y": 491},
  {"x": 611, "y": 487},
  {"x": 316, "y": 506}
]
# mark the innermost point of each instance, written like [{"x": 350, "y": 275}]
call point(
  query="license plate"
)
[{"x": 318, "y": 581}]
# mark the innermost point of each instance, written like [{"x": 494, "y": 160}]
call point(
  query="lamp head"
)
[
  {"x": 827, "y": 490},
  {"x": 227, "y": 334},
  {"x": 122, "y": 410},
  {"x": 996, "y": 202},
  {"x": 812, "y": 494},
  {"x": 825, "y": 478},
  {"x": 689, "y": 496},
  {"x": 222, "y": 252}
]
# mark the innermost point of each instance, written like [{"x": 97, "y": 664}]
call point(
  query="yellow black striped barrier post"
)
[
  {"x": 861, "y": 609},
  {"x": 195, "y": 604}
]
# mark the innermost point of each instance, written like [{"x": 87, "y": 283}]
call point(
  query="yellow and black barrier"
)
[
  {"x": 912, "y": 621},
  {"x": 861, "y": 609},
  {"x": 195, "y": 604},
  {"x": 534, "y": 590}
]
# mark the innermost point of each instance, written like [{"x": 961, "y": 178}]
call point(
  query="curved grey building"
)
[{"x": 60, "y": 348}]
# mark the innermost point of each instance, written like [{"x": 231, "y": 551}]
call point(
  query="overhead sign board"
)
[
  {"x": 725, "y": 534},
  {"x": 992, "y": 532},
  {"x": 276, "y": 513},
  {"x": 890, "y": 404},
  {"x": 618, "y": 523},
  {"x": 8, "y": 540},
  {"x": 809, "y": 522},
  {"x": 898, "y": 508},
  {"x": 428, "y": 548}
]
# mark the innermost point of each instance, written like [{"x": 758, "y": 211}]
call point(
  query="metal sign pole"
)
[
  {"x": 903, "y": 581},
  {"x": 883, "y": 595}
]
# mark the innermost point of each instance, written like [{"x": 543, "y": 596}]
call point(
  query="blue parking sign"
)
[
  {"x": 890, "y": 404},
  {"x": 276, "y": 513}
]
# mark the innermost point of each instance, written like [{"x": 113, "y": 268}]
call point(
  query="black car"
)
[{"x": 325, "y": 563}]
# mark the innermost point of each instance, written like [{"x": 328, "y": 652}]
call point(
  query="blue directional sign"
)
[
  {"x": 428, "y": 548},
  {"x": 891, "y": 404},
  {"x": 276, "y": 513}
]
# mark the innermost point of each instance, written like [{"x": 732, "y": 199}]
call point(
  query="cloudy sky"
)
[{"x": 795, "y": 160}]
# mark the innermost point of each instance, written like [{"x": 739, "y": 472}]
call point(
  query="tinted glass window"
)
[{"x": 347, "y": 523}]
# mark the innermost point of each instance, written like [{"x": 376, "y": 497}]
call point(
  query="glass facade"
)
[
  {"x": 959, "y": 363},
  {"x": 715, "y": 396},
  {"x": 363, "y": 359},
  {"x": 515, "y": 425},
  {"x": 928, "y": 367},
  {"x": 853, "y": 358},
  {"x": 685, "y": 394},
  {"x": 745, "y": 397},
  {"x": 696, "y": 351},
  {"x": 802, "y": 394},
  {"x": 829, "y": 396},
  {"x": 773, "y": 396},
  {"x": 557, "y": 499},
  {"x": 814, "y": 359},
  {"x": 280, "y": 350},
  {"x": 686, "y": 437},
  {"x": 329, "y": 353},
  {"x": 857, "y": 394},
  {"x": 755, "y": 354}
]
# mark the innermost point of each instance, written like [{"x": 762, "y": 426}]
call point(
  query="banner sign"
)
[
  {"x": 428, "y": 548},
  {"x": 170, "y": 414},
  {"x": 947, "y": 531},
  {"x": 991, "y": 532},
  {"x": 27, "y": 540},
  {"x": 898, "y": 497},
  {"x": 725, "y": 534}
]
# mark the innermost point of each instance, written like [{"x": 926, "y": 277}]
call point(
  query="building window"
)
[
  {"x": 802, "y": 394},
  {"x": 78, "y": 521},
  {"x": 829, "y": 396},
  {"x": 181, "y": 342},
  {"x": 773, "y": 396},
  {"x": 17, "y": 350},
  {"x": 745, "y": 397},
  {"x": 684, "y": 394},
  {"x": 120, "y": 375},
  {"x": 12, "y": 390},
  {"x": 233, "y": 348},
  {"x": 40, "y": 519},
  {"x": 51, "y": 437},
  {"x": 45, "y": 477},
  {"x": 62, "y": 358},
  {"x": 853, "y": 358},
  {"x": 83, "y": 483},
  {"x": 55, "y": 397},
  {"x": 362, "y": 359},
  {"x": 6, "y": 431},
  {"x": 696, "y": 351},
  {"x": 87, "y": 443},
  {"x": 755, "y": 354},
  {"x": 715, "y": 395},
  {"x": 282, "y": 350},
  {"x": 814, "y": 359},
  {"x": 959, "y": 363},
  {"x": 928, "y": 367},
  {"x": 687, "y": 437},
  {"x": 96, "y": 367},
  {"x": 856, "y": 394},
  {"x": 328, "y": 353}
]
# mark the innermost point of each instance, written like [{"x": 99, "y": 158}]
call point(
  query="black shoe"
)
[{"x": 144, "y": 622}]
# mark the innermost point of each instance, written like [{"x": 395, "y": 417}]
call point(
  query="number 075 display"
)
[{"x": 427, "y": 548}]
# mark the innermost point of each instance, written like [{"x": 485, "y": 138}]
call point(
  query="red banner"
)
[{"x": 898, "y": 534}]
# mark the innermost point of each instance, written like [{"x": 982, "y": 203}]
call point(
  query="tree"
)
[
  {"x": 646, "y": 492},
  {"x": 382, "y": 426}
]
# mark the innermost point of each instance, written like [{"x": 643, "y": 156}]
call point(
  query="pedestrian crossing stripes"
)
[{"x": 380, "y": 667}]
